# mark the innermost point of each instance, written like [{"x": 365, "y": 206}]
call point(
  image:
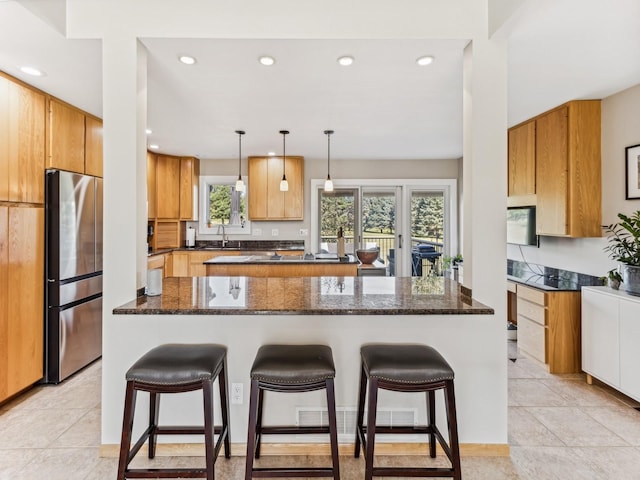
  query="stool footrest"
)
[
  {"x": 289, "y": 430},
  {"x": 412, "y": 472},
  {"x": 299, "y": 472},
  {"x": 166, "y": 473},
  {"x": 186, "y": 430}
]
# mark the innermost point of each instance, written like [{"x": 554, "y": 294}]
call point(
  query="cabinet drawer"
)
[
  {"x": 532, "y": 338},
  {"x": 531, "y": 294},
  {"x": 532, "y": 311}
]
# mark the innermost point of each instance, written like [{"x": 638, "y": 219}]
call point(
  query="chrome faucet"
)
[{"x": 225, "y": 239}]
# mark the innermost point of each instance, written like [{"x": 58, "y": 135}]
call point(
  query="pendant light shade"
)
[
  {"x": 239, "y": 182},
  {"x": 284, "y": 185},
  {"x": 328, "y": 184}
]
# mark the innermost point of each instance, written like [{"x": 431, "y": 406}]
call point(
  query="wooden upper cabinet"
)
[
  {"x": 266, "y": 201},
  {"x": 66, "y": 137},
  {"x": 189, "y": 178},
  {"x": 151, "y": 184},
  {"x": 93, "y": 147},
  {"x": 22, "y": 143},
  {"x": 568, "y": 170},
  {"x": 522, "y": 165},
  {"x": 168, "y": 187}
]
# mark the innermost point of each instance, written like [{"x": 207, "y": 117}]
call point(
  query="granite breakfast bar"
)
[{"x": 342, "y": 312}]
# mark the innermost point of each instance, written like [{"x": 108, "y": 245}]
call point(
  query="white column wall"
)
[{"x": 121, "y": 22}]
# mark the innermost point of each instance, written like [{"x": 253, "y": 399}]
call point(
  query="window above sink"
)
[{"x": 223, "y": 209}]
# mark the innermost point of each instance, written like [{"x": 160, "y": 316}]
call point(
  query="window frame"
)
[{"x": 203, "y": 224}]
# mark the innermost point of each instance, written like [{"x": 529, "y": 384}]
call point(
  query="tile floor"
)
[{"x": 559, "y": 428}]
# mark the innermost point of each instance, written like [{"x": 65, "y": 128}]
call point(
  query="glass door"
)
[
  {"x": 379, "y": 229},
  {"x": 338, "y": 209},
  {"x": 427, "y": 224}
]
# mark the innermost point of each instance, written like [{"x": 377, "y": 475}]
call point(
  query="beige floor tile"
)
[
  {"x": 575, "y": 428},
  {"x": 60, "y": 464},
  {"x": 612, "y": 463},
  {"x": 621, "y": 419},
  {"x": 12, "y": 461},
  {"x": 35, "y": 428},
  {"x": 531, "y": 392},
  {"x": 527, "y": 430},
  {"x": 83, "y": 433},
  {"x": 550, "y": 463},
  {"x": 578, "y": 393}
]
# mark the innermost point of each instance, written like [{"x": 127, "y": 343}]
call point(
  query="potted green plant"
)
[
  {"x": 624, "y": 247},
  {"x": 613, "y": 278}
]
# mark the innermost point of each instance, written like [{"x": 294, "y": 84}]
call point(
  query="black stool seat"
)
[
  {"x": 293, "y": 364},
  {"x": 291, "y": 368},
  {"x": 406, "y": 368},
  {"x": 176, "y": 368},
  {"x": 174, "y": 364},
  {"x": 405, "y": 363}
]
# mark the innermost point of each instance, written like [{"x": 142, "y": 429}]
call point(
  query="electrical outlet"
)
[
  {"x": 274, "y": 232},
  {"x": 257, "y": 232},
  {"x": 236, "y": 393},
  {"x": 304, "y": 232}
]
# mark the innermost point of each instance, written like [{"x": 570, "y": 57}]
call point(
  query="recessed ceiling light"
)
[
  {"x": 267, "y": 60},
  {"x": 153, "y": 146},
  {"x": 187, "y": 59},
  {"x": 36, "y": 72},
  {"x": 148, "y": 131},
  {"x": 345, "y": 60},
  {"x": 425, "y": 60},
  {"x": 272, "y": 154}
]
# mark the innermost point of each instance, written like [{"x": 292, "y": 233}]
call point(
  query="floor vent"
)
[{"x": 346, "y": 419}]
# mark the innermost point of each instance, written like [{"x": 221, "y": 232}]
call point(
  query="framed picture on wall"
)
[{"x": 632, "y": 169}]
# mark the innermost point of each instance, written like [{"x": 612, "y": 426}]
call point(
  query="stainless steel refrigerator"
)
[{"x": 73, "y": 273}]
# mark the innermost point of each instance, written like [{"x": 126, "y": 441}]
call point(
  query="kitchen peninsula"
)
[{"x": 342, "y": 312}]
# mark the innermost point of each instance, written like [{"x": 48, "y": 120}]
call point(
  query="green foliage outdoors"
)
[{"x": 220, "y": 204}]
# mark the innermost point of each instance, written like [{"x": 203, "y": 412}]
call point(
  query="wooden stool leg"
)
[
  {"x": 360, "y": 418},
  {"x": 452, "y": 422},
  {"x": 251, "y": 429},
  {"x": 371, "y": 428},
  {"x": 127, "y": 428},
  {"x": 259, "y": 422},
  {"x": 224, "y": 403},
  {"x": 333, "y": 427},
  {"x": 207, "y": 393},
  {"x": 154, "y": 409},
  {"x": 431, "y": 412}
]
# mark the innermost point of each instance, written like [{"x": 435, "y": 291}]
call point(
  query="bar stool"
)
[
  {"x": 176, "y": 368},
  {"x": 291, "y": 368},
  {"x": 406, "y": 368}
]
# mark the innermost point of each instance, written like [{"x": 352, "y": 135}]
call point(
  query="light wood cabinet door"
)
[
  {"x": 66, "y": 137},
  {"x": 189, "y": 177},
  {"x": 168, "y": 187},
  {"x": 568, "y": 170},
  {"x": 93, "y": 147},
  {"x": 151, "y": 184},
  {"x": 22, "y": 281},
  {"x": 522, "y": 165},
  {"x": 22, "y": 143},
  {"x": 266, "y": 201},
  {"x": 180, "y": 264},
  {"x": 552, "y": 168}
]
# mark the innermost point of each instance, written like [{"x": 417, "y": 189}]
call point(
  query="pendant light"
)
[
  {"x": 239, "y": 182},
  {"x": 284, "y": 185},
  {"x": 328, "y": 184}
]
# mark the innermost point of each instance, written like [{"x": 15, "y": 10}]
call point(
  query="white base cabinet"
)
[{"x": 610, "y": 338}]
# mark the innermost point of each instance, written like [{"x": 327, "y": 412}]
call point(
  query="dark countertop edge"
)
[
  {"x": 230, "y": 311},
  {"x": 283, "y": 262},
  {"x": 248, "y": 249},
  {"x": 544, "y": 288}
]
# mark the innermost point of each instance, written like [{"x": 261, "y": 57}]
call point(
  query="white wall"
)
[{"x": 586, "y": 255}]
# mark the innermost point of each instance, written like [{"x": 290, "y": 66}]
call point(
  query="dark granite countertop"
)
[
  {"x": 238, "y": 246},
  {"x": 279, "y": 259},
  {"x": 306, "y": 296},
  {"x": 548, "y": 278}
]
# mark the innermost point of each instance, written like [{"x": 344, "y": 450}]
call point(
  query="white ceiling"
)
[{"x": 382, "y": 107}]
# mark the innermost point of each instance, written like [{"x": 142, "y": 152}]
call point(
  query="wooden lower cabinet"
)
[
  {"x": 21, "y": 298},
  {"x": 283, "y": 270},
  {"x": 549, "y": 327}
]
